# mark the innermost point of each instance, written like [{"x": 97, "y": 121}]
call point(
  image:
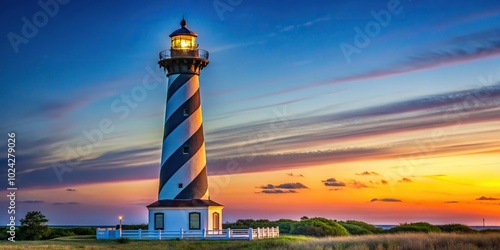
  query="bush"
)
[
  {"x": 133, "y": 227},
  {"x": 285, "y": 225},
  {"x": 420, "y": 227},
  {"x": 487, "y": 231},
  {"x": 369, "y": 227},
  {"x": 123, "y": 240},
  {"x": 4, "y": 235},
  {"x": 82, "y": 230},
  {"x": 247, "y": 223},
  {"x": 354, "y": 229},
  {"x": 59, "y": 232},
  {"x": 318, "y": 227},
  {"x": 456, "y": 228}
]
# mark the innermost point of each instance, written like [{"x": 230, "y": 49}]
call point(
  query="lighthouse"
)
[{"x": 183, "y": 200}]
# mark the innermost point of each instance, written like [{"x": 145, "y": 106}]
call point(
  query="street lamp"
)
[{"x": 120, "y": 218}]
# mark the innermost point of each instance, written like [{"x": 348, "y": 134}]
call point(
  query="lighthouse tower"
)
[{"x": 183, "y": 200}]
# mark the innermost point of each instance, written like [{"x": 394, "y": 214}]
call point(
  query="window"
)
[
  {"x": 215, "y": 220},
  {"x": 194, "y": 220},
  {"x": 180, "y": 185},
  {"x": 186, "y": 112},
  {"x": 185, "y": 150},
  {"x": 158, "y": 221}
]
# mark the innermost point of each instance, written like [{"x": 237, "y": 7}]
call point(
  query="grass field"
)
[{"x": 448, "y": 241}]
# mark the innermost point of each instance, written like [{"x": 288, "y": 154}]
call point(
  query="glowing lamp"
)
[{"x": 183, "y": 39}]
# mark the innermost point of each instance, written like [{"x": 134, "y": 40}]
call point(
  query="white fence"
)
[{"x": 223, "y": 234}]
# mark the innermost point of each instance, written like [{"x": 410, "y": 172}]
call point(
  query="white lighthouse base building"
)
[{"x": 186, "y": 215}]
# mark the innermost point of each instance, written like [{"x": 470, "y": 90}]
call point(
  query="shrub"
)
[
  {"x": 354, "y": 229},
  {"x": 285, "y": 225},
  {"x": 82, "y": 230},
  {"x": 318, "y": 227},
  {"x": 369, "y": 227},
  {"x": 247, "y": 223},
  {"x": 421, "y": 227},
  {"x": 59, "y": 232},
  {"x": 133, "y": 227},
  {"x": 456, "y": 228}
]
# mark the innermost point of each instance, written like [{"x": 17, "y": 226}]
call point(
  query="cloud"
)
[
  {"x": 31, "y": 202},
  {"x": 455, "y": 50},
  {"x": 332, "y": 182},
  {"x": 295, "y": 175},
  {"x": 281, "y": 188},
  {"x": 295, "y": 134},
  {"x": 476, "y": 105},
  {"x": 368, "y": 173},
  {"x": 66, "y": 203},
  {"x": 385, "y": 200},
  {"x": 117, "y": 165},
  {"x": 296, "y": 185},
  {"x": 334, "y": 189},
  {"x": 357, "y": 184},
  {"x": 84, "y": 96},
  {"x": 384, "y": 182},
  {"x": 405, "y": 180},
  {"x": 276, "y": 191},
  {"x": 305, "y": 24},
  {"x": 451, "y": 202},
  {"x": 232, "y": 46},
  {"x": 484, "y": 198}
]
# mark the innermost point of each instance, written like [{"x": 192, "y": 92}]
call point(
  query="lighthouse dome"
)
[{"x": 183, "y": 30}]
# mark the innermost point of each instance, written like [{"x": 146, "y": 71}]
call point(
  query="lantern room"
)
[{"x": 183, "y": 39}]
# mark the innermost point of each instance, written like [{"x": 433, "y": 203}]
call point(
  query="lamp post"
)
[{"x": 120, "y": 218}]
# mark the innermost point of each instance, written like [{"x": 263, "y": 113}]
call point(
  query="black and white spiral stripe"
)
[{"x": 183, "y": 159}]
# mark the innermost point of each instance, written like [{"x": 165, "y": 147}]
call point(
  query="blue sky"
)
[{"x": 271, "y": 63}]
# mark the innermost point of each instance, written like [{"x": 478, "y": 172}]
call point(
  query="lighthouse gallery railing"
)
[{"x": 197, "y": 53}]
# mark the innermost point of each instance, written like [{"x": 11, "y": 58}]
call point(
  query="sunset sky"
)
[{"x": 381, "y": 111}]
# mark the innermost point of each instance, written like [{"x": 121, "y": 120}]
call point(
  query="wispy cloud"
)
[
  {"x": 232, "y": 46},
  {"x": 66, "y": 203},
  {"x": 282, "y": 188},
  {"x": 455, "y": 50},
  {"x": 277, "y": 191},
  {"x": 132, "y": 164},
  {"x": 484, "y": 198},
  {"x": 451, "y": 202},
  {"x": 435, "y": 111},
  {"x": 368, "y": 173},
  {"x": 405, "y": 180},
  {"x": 357, "y": 184},
  {"x": 31, "y": 201},
  {"x": 296, "y": 185},
  {"x": 295, "y": 175},
  {"x": 385, "y": 200},
  {"x": 305, "y": 24}
]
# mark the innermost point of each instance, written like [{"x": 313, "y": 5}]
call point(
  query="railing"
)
[
  {"x": 197, "y": 53},
  {"x": 223, "y": 234}
]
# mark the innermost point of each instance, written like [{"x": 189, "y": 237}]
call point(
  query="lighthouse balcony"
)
[{"x": 172, "y": 53}]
